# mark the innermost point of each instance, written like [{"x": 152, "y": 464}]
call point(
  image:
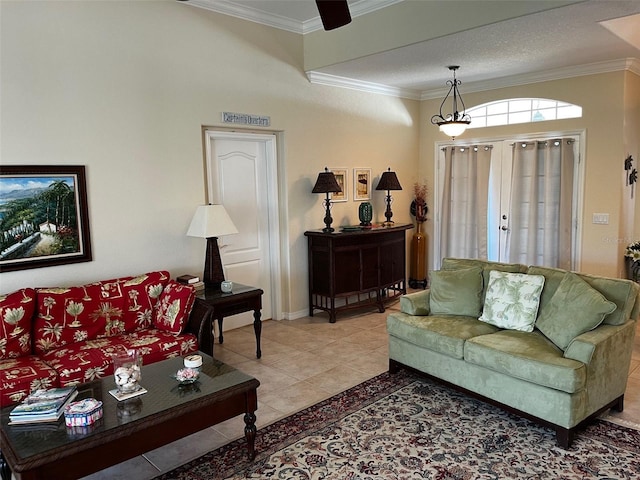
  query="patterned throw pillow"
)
[
  {"x": 512, "y": 300},
  {"x": 574, "y": 309},
  {"x": 16, "y": 312},
  {"x": 174, "y": 307},
  {"x": 135, "y": 298}
]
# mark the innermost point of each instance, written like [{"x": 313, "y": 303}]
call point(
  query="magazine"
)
[{"x": 43, "y": 405}]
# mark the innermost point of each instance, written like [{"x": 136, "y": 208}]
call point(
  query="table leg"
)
[
  {"x": 5, "y": 471},
  {"x": 257, "y": 328},
  {"x": 250, "y": 433},
  {"x": 220, "y": 329}
]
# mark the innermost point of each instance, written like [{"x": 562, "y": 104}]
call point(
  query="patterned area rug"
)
[{"x": 405, "y": 427}]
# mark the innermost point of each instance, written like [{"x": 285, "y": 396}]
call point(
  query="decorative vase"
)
[
  {"x": 365, "y": 214},
  {"x": 418, "y": 271},
  {"x": 127, "y": 368}
]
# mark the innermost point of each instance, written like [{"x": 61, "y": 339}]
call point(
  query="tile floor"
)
[{"x": 304, "y": 361}]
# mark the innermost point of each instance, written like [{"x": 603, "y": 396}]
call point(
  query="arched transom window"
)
[{"x": 521, "y": 110}]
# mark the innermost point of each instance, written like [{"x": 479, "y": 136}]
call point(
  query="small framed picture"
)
[
  {"x": 361, "y": 183},
  {"x": 341, "y": 178}
]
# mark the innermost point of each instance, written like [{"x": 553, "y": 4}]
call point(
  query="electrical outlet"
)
[{"x": 601, "y": 218}]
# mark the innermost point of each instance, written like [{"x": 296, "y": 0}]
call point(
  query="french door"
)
[{"x": 509, "y": 200}]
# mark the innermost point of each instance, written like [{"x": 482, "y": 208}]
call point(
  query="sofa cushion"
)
[
  {"x": 20, "y": 376},
  {"x": 456, "y": 292},
  {"x": 575, "y": 308},
  {"x": 512, "y": 300},
  {"x": 619, "y": 291},
  {"x": 445, "y": 334},
  {"x": 85, "y": 361},
  {"x": 69, "y": 315},
  {"x": 136, "y": 297},
  {"x": 95, "y": 310},
  {"x": 174, "y": 307},
  {"x": 528, "y": 356},
  {"x": 16, "y": 315},
  {"x": 155, "y": 345}
]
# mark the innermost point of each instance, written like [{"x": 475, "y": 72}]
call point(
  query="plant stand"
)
[{"x": 418, "y": 270}]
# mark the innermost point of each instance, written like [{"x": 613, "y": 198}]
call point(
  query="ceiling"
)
[{"x": 581, "y": 38}]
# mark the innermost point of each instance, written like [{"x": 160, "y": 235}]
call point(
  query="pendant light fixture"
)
[{"x": 455, "y": 123}]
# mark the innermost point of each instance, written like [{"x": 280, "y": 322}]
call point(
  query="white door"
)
[{"x": 242, "y": 178}]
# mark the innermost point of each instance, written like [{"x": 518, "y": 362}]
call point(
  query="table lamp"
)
[
  {"x": 388, "y": 181},
  {"x": 327, "y": 183},
  {"x": 211, "y": 222}
]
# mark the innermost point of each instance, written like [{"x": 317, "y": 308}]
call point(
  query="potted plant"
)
[{"x": 632, "y": 261}]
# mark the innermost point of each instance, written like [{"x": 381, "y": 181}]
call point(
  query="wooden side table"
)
[{"x": 242, "y": 299}]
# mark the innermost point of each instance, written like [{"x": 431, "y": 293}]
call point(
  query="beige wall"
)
[
  {"x": 632, "y": 147},
  {"x": 125, "y": 87},
  {"x": 605, "y": 113}
]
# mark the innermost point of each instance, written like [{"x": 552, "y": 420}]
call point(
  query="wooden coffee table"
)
[{"x": 167, "y": 412}]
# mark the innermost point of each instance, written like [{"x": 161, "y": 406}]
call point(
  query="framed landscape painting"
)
[{"x": 43, "y": 216}]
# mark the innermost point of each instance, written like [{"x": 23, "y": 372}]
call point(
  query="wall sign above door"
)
[{"x": 246, "y": 119}]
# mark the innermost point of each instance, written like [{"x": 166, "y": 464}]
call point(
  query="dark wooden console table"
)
[
  {"x": 356, "y": 268},
  {"x": 242, "y": 299}
]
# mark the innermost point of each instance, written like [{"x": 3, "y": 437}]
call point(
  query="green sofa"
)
[{"x": 572, "y": 364}]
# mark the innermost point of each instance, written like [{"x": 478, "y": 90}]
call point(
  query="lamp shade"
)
[
  {"x": 211, "y": 221},
  {"x": 389, "y": 181},
  {"x": 453, "y": 129},
  {"x": 326, "y": 183}
]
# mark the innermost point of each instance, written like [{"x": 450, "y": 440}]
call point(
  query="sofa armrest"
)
[
  {"x": 605, "y": 337},
  {"x": 201, "y": 325},
  {"x": 416, "y": 303},
  {"x": 606, "y": 351}
]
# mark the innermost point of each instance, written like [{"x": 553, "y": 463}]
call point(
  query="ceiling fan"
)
[{"x": 333, "y": 13}]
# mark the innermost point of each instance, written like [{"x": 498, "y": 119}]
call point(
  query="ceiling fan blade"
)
[{"x": 333, "y": 13}]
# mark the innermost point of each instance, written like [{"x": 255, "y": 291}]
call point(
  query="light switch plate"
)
[{"x": 601, "y": 218}]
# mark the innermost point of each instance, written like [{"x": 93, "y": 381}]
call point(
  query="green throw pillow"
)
[
  {"x": 456, "y": 292},
  {"x": 574, "y": 309},
  {"x": 512, "y": 300}
]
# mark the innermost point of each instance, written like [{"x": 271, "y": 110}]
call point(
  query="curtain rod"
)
[
  {"x": 463, "y": 147},
  {"x": 556, "y": 142}
]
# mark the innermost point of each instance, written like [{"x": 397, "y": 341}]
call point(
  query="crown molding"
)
[
  {"x": 245, "y": 13},
  {"x": 320, "y": 78},
  {"x": 226, "y": 7},
  {"x": 630, "y": 64}
]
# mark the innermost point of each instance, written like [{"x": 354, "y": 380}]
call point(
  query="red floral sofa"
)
[{"x": 52, "y": 337}]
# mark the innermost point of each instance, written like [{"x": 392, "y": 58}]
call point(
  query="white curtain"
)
[
  {"x": 463, "y": 231},
  {"x": 541, "y": 203}
]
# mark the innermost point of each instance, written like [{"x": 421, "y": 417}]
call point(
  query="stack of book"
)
[
  {"x": 192, "y": 280},
  {"x": 42, "y": 406}
]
